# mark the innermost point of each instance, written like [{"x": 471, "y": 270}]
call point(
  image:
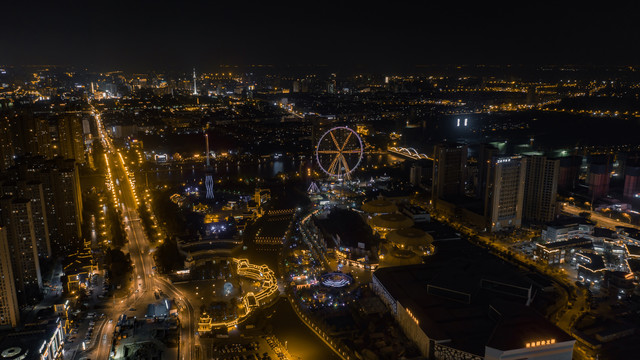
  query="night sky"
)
[{"x": 144, "y": 35}]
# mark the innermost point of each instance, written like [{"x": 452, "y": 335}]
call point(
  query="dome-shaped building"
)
[
  {"x": 411, "y": 240},
  {"x": 379, "y": 206},
  {"x": 384, "y": 223}
]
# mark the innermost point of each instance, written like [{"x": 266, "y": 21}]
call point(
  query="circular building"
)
[
  {"x": 14, "y": 353},
  {"x": 389, "y": 222},
  {"x": 379, "y": 206},
  {"x": 409, "y": 242}
]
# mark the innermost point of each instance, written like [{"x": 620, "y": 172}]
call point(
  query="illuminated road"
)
[
  {"x": 145, "y": 280},
  {"x": 599, "y": 219}
]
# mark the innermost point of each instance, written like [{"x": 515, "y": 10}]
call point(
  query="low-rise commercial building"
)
[
  {"x": 591, "y": 268},
  {"x": 559, "y": 252},
  {"x": 41, "y": 341},
  {"x": 567, "y": 228},
  {"x": 472, "y": 308}
]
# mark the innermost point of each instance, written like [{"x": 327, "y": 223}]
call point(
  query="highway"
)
[
  {"x": 599, "y": 219},
  {"x": 145, "y": 280}
]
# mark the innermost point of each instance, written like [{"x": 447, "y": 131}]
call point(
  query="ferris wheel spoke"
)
[
  {"x": 328, "y": 151},
  {"x": 346, "y": 165},
  {"x": 332, "y": 166},
  {"x": 345, "y": 142},
  {"x": 334, "y": 140},
  {"x": 351, "y": 152}
]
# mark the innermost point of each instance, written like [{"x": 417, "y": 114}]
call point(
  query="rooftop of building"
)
[
  {"x": 580, "y": 242},
  {"x": 349, "y": 226},
  {"x": 28, "y": 341},
  {"x": 379, "y": 206},
  {"x": 565, "y": 221},
  {"x": 634, "y": 265},
  {"x": 145, "y": 339},
  {"x": 595, "y": 262},
  {"x": 604, "y": 233},
  {"x": 634, "y": 250},
  {"x": 464, "y": 294},
  {"x": 81, "y": 261},
  {"x": 629, "y": 231},
  {"x": 410, "y": 237},
  {"x": 392, "y": 221}
]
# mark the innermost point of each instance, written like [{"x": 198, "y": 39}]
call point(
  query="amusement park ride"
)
[{"x": 339, "y": 152}]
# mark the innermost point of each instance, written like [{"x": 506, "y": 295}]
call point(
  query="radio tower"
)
[
  {"x": 208, "y": 179},
  {"x": 195, "y": 89}
]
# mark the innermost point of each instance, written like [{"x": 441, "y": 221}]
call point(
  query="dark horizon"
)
[{"x": 153, "y": 35}]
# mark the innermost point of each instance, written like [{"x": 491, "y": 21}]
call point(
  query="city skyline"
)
[{"x": 319, "y": 181}]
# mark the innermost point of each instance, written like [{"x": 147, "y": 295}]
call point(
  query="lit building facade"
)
[
  {"x": 70, "y": 137},
  {"x": 9, "y": 312},
  {"x": 31, "y": 135},
  {"x": 565, "y": 229},
  {"x": 6, "y": 144},
  {"x": 17, "y": 217},
  {"x": 505, "y": 192},
  {"x": 540, "y": 189},
  {"x": 449, "y": 171},
  {"x": 33, "y": 191},
  {"x": 41, "y": 341}
]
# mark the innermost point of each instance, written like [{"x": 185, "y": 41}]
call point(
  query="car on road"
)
[{"x": 132, "y": 309}]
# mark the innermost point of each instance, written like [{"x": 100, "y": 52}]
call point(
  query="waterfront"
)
[{"x": 177, "y": 173}]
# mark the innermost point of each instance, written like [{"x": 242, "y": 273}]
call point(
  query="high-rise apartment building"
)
[
  {"x": 485, "y": 154},
  {"x": 598, "y": 180},
  {"x": 631, "y": 182},
  {"x": 449, "y": 171},
  {"x": 569, "y": 171},
  {"x": 59, "y": 182},
  {"x": 68, "y": 202},
  {"x": 9, "y": 313},
  {"x": 415, "y": 175},
  {"x": 16, "y": 215},
  {"x": 70, "y": 137},
  {"x": 504, "y": 195},
  {"x": 33, "y": 191},
  {"x": 541, "y": 188},
  {"x": 6, "y": 143},
  {"x": 30, "y": 135}
]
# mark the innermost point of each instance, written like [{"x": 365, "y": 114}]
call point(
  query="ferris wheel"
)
[{"x": 339, "y": 152}]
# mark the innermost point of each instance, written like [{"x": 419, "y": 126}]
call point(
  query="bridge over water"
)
[{"x": 410, "y": 153}]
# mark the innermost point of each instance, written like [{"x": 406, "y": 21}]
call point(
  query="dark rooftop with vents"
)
[{"x": 475, "y": 299}]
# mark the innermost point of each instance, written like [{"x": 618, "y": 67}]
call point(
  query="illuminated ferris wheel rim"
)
[{"x": 339, "y": 151}]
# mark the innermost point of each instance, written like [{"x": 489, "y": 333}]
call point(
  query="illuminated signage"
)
[{"x": 540, "y": 343}]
